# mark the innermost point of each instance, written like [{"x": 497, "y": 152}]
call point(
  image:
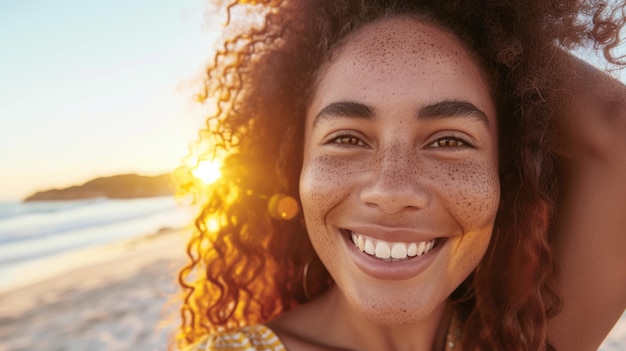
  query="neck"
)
[{"x": 348, "y": 328}]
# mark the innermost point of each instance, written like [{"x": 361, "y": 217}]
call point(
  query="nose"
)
[{"x": 395, "y": 185}]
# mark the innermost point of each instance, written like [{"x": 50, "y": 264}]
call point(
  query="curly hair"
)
[{"x": 250, "y": 268}]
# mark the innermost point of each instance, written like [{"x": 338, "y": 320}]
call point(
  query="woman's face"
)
[{"x": 399, "y": 183}]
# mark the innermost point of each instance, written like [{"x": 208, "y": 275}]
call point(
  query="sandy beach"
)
[{"x": 117, "y": 297}]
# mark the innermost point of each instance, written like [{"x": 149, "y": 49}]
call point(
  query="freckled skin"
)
[{"x": 395, "y": 177}]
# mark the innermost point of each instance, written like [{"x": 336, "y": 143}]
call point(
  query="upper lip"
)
[{"x": 392, "y": 234}]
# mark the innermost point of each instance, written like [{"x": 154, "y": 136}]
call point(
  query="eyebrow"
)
[
  {"x": 440, "y": 109},
  {"x": 345, "y": 109},
  {"x": 452, "y": 108}
]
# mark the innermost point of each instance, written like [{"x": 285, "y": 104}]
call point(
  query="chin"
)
[{"x": 388, "y": 309}]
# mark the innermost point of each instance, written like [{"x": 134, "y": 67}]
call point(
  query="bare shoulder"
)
[{"x": 590, "y": 239}]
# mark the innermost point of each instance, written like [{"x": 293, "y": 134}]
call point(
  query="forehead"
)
[
  {"x": 402, "y": 59},
  {"x": 380, "y": 41}
]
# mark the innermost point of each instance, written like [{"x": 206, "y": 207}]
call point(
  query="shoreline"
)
[
  {"x": 31, "y": 273},
  {"x": 117, "y": 296}
]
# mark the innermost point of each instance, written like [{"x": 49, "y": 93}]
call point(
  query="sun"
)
[{"x": 208, "y": 171}]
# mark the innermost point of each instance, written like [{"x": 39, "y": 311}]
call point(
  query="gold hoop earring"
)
[{"x": 305, "y": 274}]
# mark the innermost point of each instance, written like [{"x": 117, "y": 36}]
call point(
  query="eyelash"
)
[
  {"x": 464, "y": 143},
  {"x": 342, "y": 136},
  {"x": 349, "y": 139}
]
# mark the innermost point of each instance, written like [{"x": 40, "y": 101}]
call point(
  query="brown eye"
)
[
  {"x": 449, "y": 143},
  {"x": 348, "y": 140}
]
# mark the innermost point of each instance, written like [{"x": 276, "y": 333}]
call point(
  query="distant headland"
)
[{"x": 124, "y": 186}]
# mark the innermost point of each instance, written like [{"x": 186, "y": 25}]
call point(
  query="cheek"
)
[
  {"x": 471, "y": 193},
  {"x": 322, "y": 188},
  {"x": 318, "y": 184},
  {"x": 470, "y": 190}
]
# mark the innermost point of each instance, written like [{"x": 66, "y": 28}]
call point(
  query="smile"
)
[{"x": 391, "y": 251}]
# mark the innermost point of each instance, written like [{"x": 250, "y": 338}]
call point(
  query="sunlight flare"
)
[
  {"x": 213, "y": 224},
  {"x": 208, "y": 171}
]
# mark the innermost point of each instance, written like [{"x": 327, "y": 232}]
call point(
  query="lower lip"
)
[{"x": 399, "y": 270}]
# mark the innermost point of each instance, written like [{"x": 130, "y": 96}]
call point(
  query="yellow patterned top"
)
[
  {"x": 261, "y": 338},
  {"x": 253, "y": 338}
]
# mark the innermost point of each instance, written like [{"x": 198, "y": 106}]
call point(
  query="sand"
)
[
  {"x": 118, "y": 298},
  {"x": 113, "y": 297}
]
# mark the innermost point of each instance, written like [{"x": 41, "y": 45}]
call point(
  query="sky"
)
[{"x": 96, "y": 88}]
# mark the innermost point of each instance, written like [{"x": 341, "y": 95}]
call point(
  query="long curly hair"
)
[{"x": 246, "y": 264}]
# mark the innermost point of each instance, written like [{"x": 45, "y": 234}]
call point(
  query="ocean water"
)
[{"x": 37, "y": 230}]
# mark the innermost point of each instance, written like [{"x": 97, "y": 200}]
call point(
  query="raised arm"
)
[{"x": 590, "y": 242}]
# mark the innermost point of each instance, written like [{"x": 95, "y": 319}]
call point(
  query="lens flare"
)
[
  {"x": 283, "y": 206},
  {"x": 213, "y": 225},
  {"x": 208, "y": 171}
]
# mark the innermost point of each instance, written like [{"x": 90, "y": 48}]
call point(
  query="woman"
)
[{"x": 447, "y": 156}]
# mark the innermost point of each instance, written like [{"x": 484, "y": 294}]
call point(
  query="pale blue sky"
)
[{"x": 91, "y": 88}]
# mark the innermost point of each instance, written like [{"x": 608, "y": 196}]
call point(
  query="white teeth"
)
[
  {"x": 411, "y": 251},
  {"x": 383, "y": 250},
  {"x": 399, "y": 250},
  {"x": 361, "y": 242},
  {"x": 420, "y": 248},
  {"x": 370, "y": 248},
  {"x": 391, "y": 250}
]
